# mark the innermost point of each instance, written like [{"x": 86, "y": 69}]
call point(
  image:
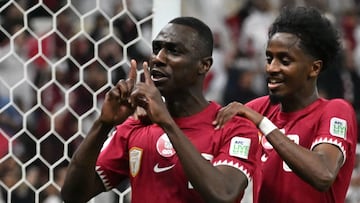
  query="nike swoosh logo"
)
[{"x": 158, "y": 169}]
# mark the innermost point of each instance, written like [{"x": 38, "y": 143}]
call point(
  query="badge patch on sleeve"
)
[
  {"x": 135, "y": 155},
  {"x": 338, "y": 127},
  {"x": 240, "y": 147}
]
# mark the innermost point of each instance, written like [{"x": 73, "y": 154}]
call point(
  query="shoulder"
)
[
  {"x": 241, "y": 121},
  {"x": 129, "y": 125},
  {"x": 338, "y": 103},
  {"x": 258, "y": 101},
  {"x": 338, "y": 114},
  {"x": 261, "y": 104},
  {"x": 240, "y": 126},
  {"x": 130, "y": 122},
  {"x": 337, "y": 107}
]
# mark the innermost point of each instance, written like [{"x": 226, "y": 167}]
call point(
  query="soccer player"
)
[
  {"x": 179, "y": 156},
  {"x": 308, "y": 142}
]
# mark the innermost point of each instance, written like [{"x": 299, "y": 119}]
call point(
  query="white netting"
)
[{"x": 57, "y": 59}]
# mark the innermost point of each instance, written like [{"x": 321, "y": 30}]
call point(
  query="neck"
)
[
  {"x": 185, "y": 105},
  {"x": 296, "y": 103}
]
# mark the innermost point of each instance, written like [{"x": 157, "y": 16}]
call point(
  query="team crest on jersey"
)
[
  {"x": 164, "y": 146},
  {"x": 338, "y": 127},
  {"x": 240, "y": 147},
  {"x": 135, "y": 155}
]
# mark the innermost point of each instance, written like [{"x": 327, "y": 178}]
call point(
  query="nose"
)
[
  {"x": 273, "y": 66},
  {"x": 160, "y": 56}
]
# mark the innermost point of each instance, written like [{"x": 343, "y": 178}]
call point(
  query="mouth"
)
[
  {"x": 274, "y": 83},
  {"x": 158, "y": 76}
]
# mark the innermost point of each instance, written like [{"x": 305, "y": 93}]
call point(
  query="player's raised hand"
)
[
  {"x": 146, "y": 95},
  {"x": 117, "y": 107}
]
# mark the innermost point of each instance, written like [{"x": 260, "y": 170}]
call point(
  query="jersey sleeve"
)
[
  {"x": 338, "y": 126},
  {"x": 112, "y": 164},
  {"x": 239, "y": 147}
]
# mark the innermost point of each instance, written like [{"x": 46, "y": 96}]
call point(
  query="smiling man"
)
[
  {"x": 179, "y": 157},
  {"x": 308, "y": 142}
]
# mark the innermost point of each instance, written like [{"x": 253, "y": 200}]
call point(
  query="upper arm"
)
[
  {"x": 337, "y": 132},
  {"x": 236, "y": 178},
  {"x": 238, "y": 158},
  {"x": 331, "y": 155}
]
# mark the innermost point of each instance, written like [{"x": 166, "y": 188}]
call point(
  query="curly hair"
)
[{"x": 318, "y": 37}]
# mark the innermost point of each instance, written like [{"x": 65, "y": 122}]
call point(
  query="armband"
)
[{"x": 266, "y": 126}]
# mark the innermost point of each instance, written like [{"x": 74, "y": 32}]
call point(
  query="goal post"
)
[{"x": 164, "y": 11}]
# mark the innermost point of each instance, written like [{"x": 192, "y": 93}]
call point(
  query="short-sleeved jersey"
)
[
  {"x": 145, "y": 154},
  {"x": 324, "y": 121}
]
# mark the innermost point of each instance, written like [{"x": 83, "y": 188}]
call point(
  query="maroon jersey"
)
[
  {"x": 145, "y": 154},
  {"x": 324, "y": 121}
]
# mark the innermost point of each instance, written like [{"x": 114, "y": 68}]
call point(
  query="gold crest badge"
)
[{"x": 135, "y": 155}]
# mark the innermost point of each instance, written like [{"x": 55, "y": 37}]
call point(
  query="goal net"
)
[{"x": 57, "y": 60}]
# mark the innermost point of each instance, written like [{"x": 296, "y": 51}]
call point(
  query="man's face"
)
[
  {"x": 174, "y": 61},
  {"x": 287, "y": 68}
]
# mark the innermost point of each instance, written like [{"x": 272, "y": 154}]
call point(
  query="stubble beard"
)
[{"x": 275, "y": 99}]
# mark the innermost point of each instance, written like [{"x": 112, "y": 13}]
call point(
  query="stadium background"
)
[{"x": 59, "y": 57}]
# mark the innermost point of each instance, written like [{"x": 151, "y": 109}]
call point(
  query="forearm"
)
[
  {"x": 81, "y": 175},
  {"x": 314, "y": 167},
  {"x": 208, "y": 180}
]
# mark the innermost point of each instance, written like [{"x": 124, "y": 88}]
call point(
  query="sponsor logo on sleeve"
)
[
  {"x": 240, "y": 147},
  {"x": 338, "y": 127}
]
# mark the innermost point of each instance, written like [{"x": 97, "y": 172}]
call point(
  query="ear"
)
[
  {"x": 205, "y": 65},
  {"x": 316, "y": 68}
]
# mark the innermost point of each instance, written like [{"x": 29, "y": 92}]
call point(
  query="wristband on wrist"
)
[{"x": 266, "y": 126}]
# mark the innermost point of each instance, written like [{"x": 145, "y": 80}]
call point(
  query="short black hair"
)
[
  {"x": 318, "y": 36},
  {"x": 205, "y": 34}
]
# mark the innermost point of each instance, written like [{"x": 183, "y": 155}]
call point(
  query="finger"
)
[
  {"x": 133, "y": 71},
  {"x": 147, "y": 75},
  {"x": 221, "y": 118},
  {"x": 216, "y": 122},
  {"x": 220, "y": 123},
  {"x": 121, "y": 90},
  {"x": 131, "y": 80}
]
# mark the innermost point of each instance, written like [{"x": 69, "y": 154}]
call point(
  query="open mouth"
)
[{"x": 158, "y": 76}]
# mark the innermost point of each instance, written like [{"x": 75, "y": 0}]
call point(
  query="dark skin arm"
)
[
  {"x": 215, "y": 184},
  {"x": 318, "y": 167},
  {"x": 82, "y": 182}
]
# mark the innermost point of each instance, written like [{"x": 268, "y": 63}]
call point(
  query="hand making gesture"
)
[
  {"x": 146, "y": 95},
  {"x": 117, "y": 107}
]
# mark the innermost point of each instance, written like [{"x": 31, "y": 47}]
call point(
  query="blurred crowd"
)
[{"x": 52, "y": 81}]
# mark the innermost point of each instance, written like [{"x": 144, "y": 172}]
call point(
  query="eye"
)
[
  {"x": 156, "y": 49},
  {"x": 268, "y": 59},
  {"x": 172, "y": 49},
  {"x": 285, "y": 61}
]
